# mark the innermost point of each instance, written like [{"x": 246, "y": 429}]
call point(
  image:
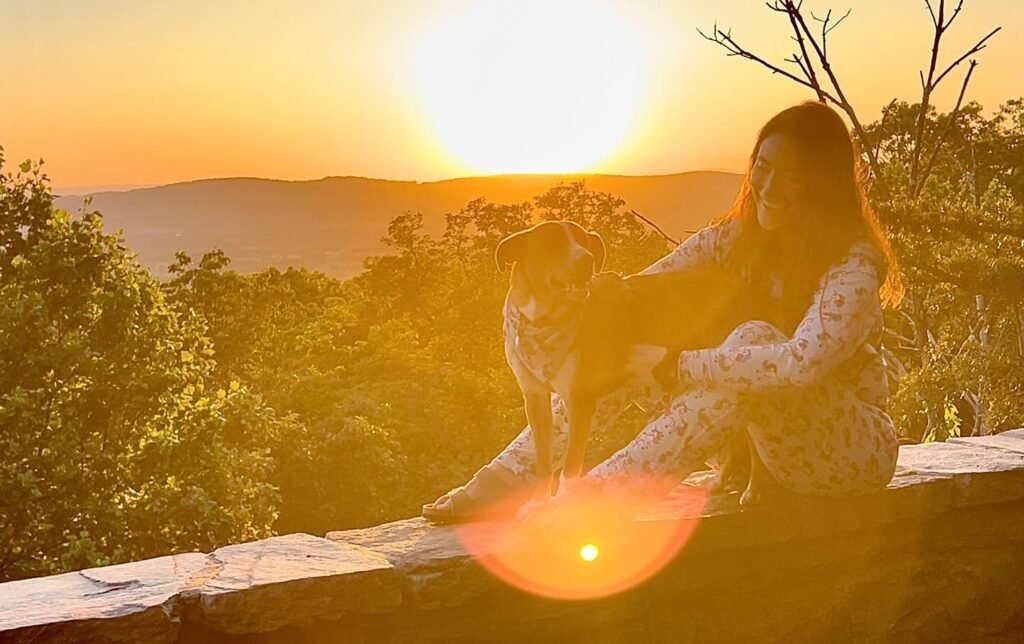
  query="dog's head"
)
[{"x": 555, "y": 258}]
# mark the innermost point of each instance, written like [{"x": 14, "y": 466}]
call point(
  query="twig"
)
[
  {"x": 919, "y": 186},
  {"x": 726, "y": 40},
  {"x": 981, "y": 44},
  {"x": 931, "y": 10},
  {"x": 843, "y": 103},
  {"x": 929, "y": 85},
  {"x": 658, "y": 228},
  {"x": 825, "y": 29},
  {"x": 811, "y": 76}
]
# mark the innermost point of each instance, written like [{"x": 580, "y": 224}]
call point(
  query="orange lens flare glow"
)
[
  {"x": 589, "y": 552},
  {"x": 590, "y": 549}
]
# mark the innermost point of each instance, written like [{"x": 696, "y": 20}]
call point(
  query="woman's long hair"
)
[{"x": 834, "y": 210}]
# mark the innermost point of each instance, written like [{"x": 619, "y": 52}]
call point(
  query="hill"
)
[{"x": 331, "y": 224}]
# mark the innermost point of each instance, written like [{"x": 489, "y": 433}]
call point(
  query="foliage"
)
[
  {"x": 117, "y": 444},
  {"x": 960, "y": 239}
]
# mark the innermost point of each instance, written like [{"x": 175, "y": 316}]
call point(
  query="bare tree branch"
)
[
  {"x": 981, "y": 44},
  {"x": 926, "y": 91},
  {"x": 726, "y": 40},
  {"x": 811, "y": 76},
  {"x": 916, "y": 191},
  {"x": 932, "y": 81},
  {"x": 656, "y": 227},
  {"x": 959, "y": 6},
  {"x": 825, "y": 29},
  {"x": 935, "y": 20},
  {"x": 807, "y": 41},
  {"x": 842, "y": 103}
]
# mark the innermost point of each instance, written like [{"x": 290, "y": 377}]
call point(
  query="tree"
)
[
  {"x": 961, "y": 240},
  {"x": 293, "y": 337},
  {"x": 116, "y": 444},
  {"x": 948, "y": 189}
]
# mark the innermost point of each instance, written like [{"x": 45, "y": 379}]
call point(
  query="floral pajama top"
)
[{"x": 817, "y": 397}]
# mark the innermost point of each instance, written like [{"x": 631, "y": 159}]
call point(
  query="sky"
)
[{"x": 123, "y": 93}]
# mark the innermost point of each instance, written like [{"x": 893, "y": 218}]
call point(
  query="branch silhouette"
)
[{"x": 809, "y": 41}]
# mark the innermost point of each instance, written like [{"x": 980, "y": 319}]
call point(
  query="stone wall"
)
[{"x": 937, "y": 557}]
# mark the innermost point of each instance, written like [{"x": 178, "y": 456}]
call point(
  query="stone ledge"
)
[
  {"x": 245, "y": 588},
  {"x": 268, "y": 584},
  {"x": 873, "y": 568},
  {"x": 931, "y": 479},
  {"x": 127, "y": 602}
]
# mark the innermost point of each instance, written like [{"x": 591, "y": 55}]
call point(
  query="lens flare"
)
[
  {"x": 589, "y": 552},
  {"x": 561, "y": 558}
]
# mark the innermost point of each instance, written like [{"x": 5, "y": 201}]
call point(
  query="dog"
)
[{"x": 570, "y": 329}]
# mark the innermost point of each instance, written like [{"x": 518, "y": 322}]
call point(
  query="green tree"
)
[
  {"x": 116, "y": 445},
  {"x": 960, "y": 237},
  {"x": 292, "y": 337}
]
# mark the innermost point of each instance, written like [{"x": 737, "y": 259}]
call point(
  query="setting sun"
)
[{"x": 531, "y": 86}]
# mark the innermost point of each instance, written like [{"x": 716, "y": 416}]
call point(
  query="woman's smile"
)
[{"x": 775, "y": 181}]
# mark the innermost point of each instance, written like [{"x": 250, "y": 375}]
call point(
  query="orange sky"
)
[{"x": 145, "y": 92}]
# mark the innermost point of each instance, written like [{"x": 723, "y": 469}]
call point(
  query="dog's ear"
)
[
  {"x": 510, "y": 250},
  {"x": 597, "y": 249}
]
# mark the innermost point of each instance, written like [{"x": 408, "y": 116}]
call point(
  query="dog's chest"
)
[{"x": 539, "y": 349}]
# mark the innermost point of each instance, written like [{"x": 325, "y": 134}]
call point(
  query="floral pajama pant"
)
[{"x": 821, "y": 440}]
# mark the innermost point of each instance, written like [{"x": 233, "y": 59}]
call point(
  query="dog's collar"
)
[
  {"x": 526, "y": 313},
  {"x": 546, "y": 321},
  {"x": 542, "y": 344}
]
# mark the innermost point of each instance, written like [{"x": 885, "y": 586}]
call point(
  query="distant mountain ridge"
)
[{"x": 332, "y": 224}]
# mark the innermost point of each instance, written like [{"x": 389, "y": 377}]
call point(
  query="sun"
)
[{"x": 529, "y": 86}]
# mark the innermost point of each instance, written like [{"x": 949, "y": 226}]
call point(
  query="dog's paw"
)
[
  {"x": 529, "y": 507},
  {"x": 567, "y": 485},
  {"x": 537, "y": 513}
]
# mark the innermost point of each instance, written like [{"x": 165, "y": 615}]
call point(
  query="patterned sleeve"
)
[
  {"x": 702, "y": 249},
  {"x": 845, "y": 312}
]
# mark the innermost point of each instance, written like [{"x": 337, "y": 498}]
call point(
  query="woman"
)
[{"x": 811, "y": 395}]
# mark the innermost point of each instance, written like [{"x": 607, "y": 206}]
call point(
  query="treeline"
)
[
  {"x": 142, "y": 417},
  {"x": 958, "y": 338}
]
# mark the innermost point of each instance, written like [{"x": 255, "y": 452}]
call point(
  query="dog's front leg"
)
[
  {"x": 538, "y": 415},
  {"x": 580, "y": 406}
]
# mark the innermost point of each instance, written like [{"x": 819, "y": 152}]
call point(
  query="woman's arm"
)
[
  {"x": 846, "y": 310},
  {"x": 703, "y": 249}
]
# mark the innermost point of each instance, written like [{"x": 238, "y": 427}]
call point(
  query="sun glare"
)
[
  {"x": 531, "y": 86},
  {"x": 589, "y": 552},
  {"x": 593, "y": 549}
]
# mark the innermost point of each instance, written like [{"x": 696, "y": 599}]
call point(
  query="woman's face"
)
[{"x": 777, "y": 182}]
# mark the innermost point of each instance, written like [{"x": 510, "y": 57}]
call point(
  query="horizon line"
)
[{"x": 66, "y": 191}]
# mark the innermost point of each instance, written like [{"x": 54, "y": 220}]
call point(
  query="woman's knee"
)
[{"x": 754, "y": 332}]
